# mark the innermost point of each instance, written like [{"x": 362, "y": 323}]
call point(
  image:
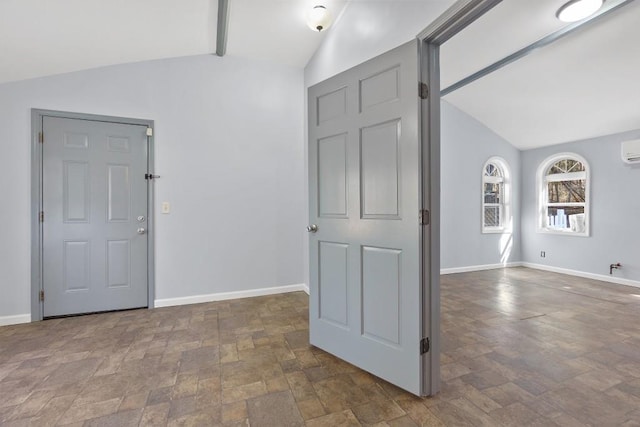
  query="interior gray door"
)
[
  {"x": 95, "y": 216},
  {"x": 365, "y": 236}
]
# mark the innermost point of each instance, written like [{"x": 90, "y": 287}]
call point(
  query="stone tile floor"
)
[{"x": 519, "y": 347}]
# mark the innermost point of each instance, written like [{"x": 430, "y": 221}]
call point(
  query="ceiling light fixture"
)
[
  {"x": 319, "y": 18},
  {"x": 576, "y": 10}
]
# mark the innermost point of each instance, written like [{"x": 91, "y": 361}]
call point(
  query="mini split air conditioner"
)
[{"x": 631, "y": 151}]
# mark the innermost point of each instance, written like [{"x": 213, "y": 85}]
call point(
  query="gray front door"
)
[
  {"x": 94, "y": 198},
  {"x": 365, "y": 234}
]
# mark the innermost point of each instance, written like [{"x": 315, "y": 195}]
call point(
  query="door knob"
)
[
  {"x": 141, "y": 230},
  {"x": 312, "y": 228}
]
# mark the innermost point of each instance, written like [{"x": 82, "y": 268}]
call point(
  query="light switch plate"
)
[{"x": 166, "y": 207}]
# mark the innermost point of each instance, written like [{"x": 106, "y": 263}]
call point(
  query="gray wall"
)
[
  {"x": 615, "y": 211},
  {"x": 367, "y": 29},
  {"x": 229, "y": 148},
  {"x": 466, "y": 145}
]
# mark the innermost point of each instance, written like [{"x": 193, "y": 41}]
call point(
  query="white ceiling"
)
[
  {"x": 582, "y": 86},
  {"x": 275, "y": 30},
  {"x": 44, "y": 37},
  {"x": 508, "y": 27}
]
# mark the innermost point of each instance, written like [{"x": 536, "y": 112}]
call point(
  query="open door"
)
[{"x": 366, "y": 292}]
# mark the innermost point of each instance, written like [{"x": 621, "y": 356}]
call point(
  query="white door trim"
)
[{"x": 37, "y": 116}]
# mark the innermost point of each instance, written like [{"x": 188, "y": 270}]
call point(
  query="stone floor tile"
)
[
  {"x": 155, "y": 415},
  {"x": 274, "y": 409},
  {"x": 344, "y": 418},
  {"x": 405, "y": 421},
  {"x": 514, "y": 414},
  {"x": 243, "y": 392},
  {"x": 90, "y": 410},
  {"x": 566, "y": 352},
  {"x": 31, "y": 406},
  {"x": 300, "y": 386},
  {"x": 277, "y": 384},
  {"x": 236, "y": 411},
  {"x": 199, "y": 419},
  {"x": 181, "y": 407},
  {"x": 159, "y": 395},
  {"x": 311, "y": 408},
  {"x": 129, "y": 418},
  {"x": 419, "y": 413},
  {"x": 374, "y": 412},
  {"x": 134, "y": 401},
  {"x": 186, "y": 385}
]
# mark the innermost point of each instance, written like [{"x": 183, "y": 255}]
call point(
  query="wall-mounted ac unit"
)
[{"x": 631, "y": 151}]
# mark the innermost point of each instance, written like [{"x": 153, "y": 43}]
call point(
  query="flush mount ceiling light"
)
[
  {"x": 319, "y": 18},
  {"x": 575, "y": 10}
]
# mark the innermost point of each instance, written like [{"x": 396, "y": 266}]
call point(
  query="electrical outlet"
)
[
  {"x": 543, "y": 254},
  {"x": 166, "y": 207}
]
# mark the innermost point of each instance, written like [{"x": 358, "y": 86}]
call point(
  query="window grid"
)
[
  {"x": 494, "y": 196},
  {"x": 563, "y": 181}
]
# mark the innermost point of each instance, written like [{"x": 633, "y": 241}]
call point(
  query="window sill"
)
[
  {"x": 500, "y": 230},
  {"x": 562, "y": 233}
]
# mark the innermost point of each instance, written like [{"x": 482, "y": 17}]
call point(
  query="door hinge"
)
[
  {"x": 41, "y": 216},
  {"x": 424, "y": 345},
  {"x": 425, "y": 217},
  {"x": 42, "y": 295},
  {"x": 149, "y": 131},
  {"x": 423, "y": 90},
  {"x": 150, "y": 176},
  {"x": 40, "y": 137}
]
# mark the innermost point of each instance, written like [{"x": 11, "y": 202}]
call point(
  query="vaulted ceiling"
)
[
  {"x": 582, "y": 86},
  {"x": 39, "y": 38}
]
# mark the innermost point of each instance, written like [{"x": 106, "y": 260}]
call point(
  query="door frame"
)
[
  {"x": 37, "y": 117},
  {"x": 455, "y": 19}
]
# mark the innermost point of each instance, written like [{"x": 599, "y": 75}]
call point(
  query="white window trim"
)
[
  {"x": 541, "y": 191},
  {"x": 505, "y": 212}
]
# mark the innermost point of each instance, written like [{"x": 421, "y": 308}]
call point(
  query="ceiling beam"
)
[
  {"x": 605, "y": 10},
  {"x": 455, "y": 19},
  {"x": 223, "y": 27}
]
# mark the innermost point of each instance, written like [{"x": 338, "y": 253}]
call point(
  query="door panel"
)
[
  {"x": 364, "y": 194},
  {"x": 332, "y": 282},
  {"x": 381, "y": 284},
  {"x": 76, "y": 192},
  {"x": 76, "y": 265},
  {"x": 93, "y": 191},
  {"x": 380, "y": 170},
  {"x": 332, "y": 170},
  {"x": 380, "y": 88},
  {"x": 332, "y": 105},
  {"x": 118, "y": 199},
  {"x": 118, "y": 263}
]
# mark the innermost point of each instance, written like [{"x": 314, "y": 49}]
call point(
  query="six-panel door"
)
[
  {"x": 95, "y": 216},
  {"x": 364, "y": 177}
]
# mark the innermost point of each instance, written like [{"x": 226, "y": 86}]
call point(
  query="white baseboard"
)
[
  {"x": 306, "y": 288},
  {"x": 478, "y": 268},
  {"x": 14, "y": 320},
  {"x": 601, "y": 277},
  {"x": 221, "y": 296}
]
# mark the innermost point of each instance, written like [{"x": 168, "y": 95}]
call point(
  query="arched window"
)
[
  {"x": 495, "y": 196},
  {"x": 563, "y": 188}
]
